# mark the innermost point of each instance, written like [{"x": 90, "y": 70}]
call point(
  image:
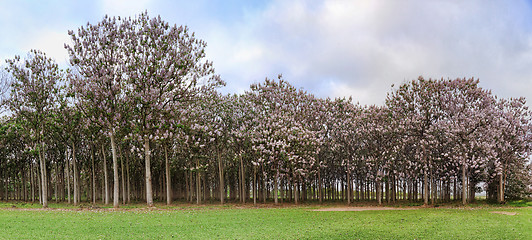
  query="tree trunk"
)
[
  {"x": 105, "y": 178},
  {"x": 123, "y": 176},
  {"x": 44, "y": 195},
  {"x": 221, "y": 176},
  {"x": 75, "y": 170},
  {"x": 187, "y": 187},
  {"x": 500, "y": 196},
  {"x": 56, "y": 187},
  {"x": 425, "y": 188},
  {"x": 67, "y": 168},
  {"x": 127, "y": 177},
  {"x": 276, "y": 188},
  {"x": 168, "y": 179},
  {"x": 149, "y": 193},
  {"x": 348, "y": 186},
  {"x": 198, "y": 182},
  {"x": 378, "y": 193},
  {"x": 242, "y": 184},
  {"x": 93, "y": 177},
  {"x": 320, "y": 186},
  {"x": 32, "y": 185},
  {"x": 455, "y": 193},
  {"x": 296, "y": 192},
  {"x": 464, "y": 185},
  {"x": 254, "y": 185},
  {"x": 433, "y": 190},
  {"x": 116, "y": 192}
]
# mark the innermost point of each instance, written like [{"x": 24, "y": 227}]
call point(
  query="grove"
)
[{"x": 138, "y": 116}]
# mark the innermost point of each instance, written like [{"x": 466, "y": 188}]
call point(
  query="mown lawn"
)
[{"x": 234, "y": 222}]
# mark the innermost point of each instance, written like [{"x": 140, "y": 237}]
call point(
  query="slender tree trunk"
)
[
  {"x": 379, "y": 192},
  {"x": 127, "y": 177},
  {"x": 464, "y": 185},
  {"x": 204, "y": 185},
  {"x": 190, "y": 187},
  {"x": 75, "y": 168},
  {"x": 44, "y": 188},
  {"x": 116, "y": 193},
  {"x": 187, "y": 187},
  {"x": 123, "y": 176},
  {"x": 221, "y": 176},
  {"x": 425, "y": 188},
  {"x": 348, "y": 185},
  {"x": 433, "y": 190},
  {"x": 254, "y": 185},
  {"x": 320, "y": 186},
  {"x": 198, "y": 182},
  {"x": 149, "y": 193},
  {"x": 55, "y": 182},
  {"x": 32, "y": 185},
  {"x": 168, "y": 179},
  {"x": 455, "y": 193},
  {"x": 67, "y": 168},
  {"x": 242, "y": 181},
  {"x": 93, "y": 176},
  {"x": 264, "y": 187},
  {"x": 276, "y": 188},
  {"x": 105, "y": 177}
]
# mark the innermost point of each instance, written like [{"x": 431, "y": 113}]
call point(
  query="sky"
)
[{"x": 329, "y": 48}]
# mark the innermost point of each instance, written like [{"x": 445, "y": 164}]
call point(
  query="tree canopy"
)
[{"x": 141, "y": 91}]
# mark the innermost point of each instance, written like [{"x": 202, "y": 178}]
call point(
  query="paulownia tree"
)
[
  {"x": 35, "y": 85},
  {"x": 164, "y": 65},
  {"x": 512, "y": 127},
  {"x": 97, "y": 54}
]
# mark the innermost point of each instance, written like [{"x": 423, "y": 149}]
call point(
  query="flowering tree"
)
[
  {"x": 164, "y": 66},
  {"x": 279, "y": 135},
  {"x": 34, "y": 88},
  {"x": 513, "y": 136},
  {"x": 416, "y": 107},
  {"x": 468, "y": 115},
  {"x": 347, "y": 137},
  {"x": 97, "y": 53}
]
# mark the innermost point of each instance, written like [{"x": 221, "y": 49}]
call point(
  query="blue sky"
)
[{"x": 329, "y": 48}]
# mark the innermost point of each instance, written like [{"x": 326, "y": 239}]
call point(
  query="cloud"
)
[
  {"x": 328, "y": 47},
  {"x": 362, "y": 47},
  {"x": 50, "y": 42}
]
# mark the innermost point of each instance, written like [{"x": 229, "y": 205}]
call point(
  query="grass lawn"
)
[{"x": 235, "y": 222}]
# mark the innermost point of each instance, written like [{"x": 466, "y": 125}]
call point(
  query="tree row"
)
[{"x": 138, "y": 117}]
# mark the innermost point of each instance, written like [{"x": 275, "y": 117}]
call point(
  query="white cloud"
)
[
  {"x": 50, "y": 42},
  {"x": 328, "y": 47},
  {"x": 365, "y": 46}
]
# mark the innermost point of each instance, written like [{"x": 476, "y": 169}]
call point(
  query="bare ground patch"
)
[
  {"x": 357, "y": 209},
  {"x": 505, "y": 213}
]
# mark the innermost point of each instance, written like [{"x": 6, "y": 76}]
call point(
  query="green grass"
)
[
  {"x": 520, "y": 203},
  {"x": 234, "y": 222}
]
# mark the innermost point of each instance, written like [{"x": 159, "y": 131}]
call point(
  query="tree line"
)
[{"x": 138, "y": 117}]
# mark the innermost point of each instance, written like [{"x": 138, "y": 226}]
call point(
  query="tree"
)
[
  {"x": 97, "y": 53},
  {"x": 416, "y": 107},
  {"x": 34, "y": 88},
  {"x": 468, "y": 116},
  {"x": 164, "y": 66},
  {"x": 512, "y": 131}
]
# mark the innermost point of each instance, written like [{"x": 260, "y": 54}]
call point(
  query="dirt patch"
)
[
  {"x": 505, "y": 213},
  {"x": 357, "y": 209}
]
